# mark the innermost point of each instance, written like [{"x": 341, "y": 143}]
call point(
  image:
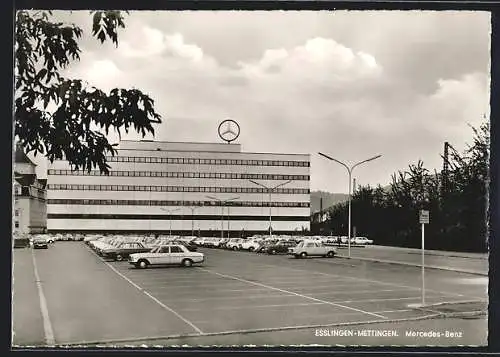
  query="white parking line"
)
[
  {"x": 197, "y": 329},
  {"x": 240, "y": 332},
  {"x": 354, "y": 292},
  {"x": 47, "y": 326},
  {"x": 302, "y": 317},
  {"x": 156, "y": 300},
  {"x": 370, "y": 280},
  {"x": 196, "y": 284},
  {"x": 191, "y": 286},
  {"x": 254, "y": 306},
  {"x": 187, "y": 288},
  {"x": 280, "y": 305},
  {"x": 292, "y": 293},
  {"x": 232, "y": 297},
  {"x": 215, "y": 290}
]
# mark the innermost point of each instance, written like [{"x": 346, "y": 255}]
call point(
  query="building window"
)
[{"x": 16, "y": 224}]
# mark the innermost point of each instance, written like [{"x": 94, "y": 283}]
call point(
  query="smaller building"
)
[{"x": 30, "y": 197}]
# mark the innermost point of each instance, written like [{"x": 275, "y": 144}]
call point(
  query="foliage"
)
[
  {"x": 457, "y": 215},
  {"x": 76, "y": 128}
]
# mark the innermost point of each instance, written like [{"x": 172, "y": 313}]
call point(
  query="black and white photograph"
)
[{"x": 250, "y": 178}]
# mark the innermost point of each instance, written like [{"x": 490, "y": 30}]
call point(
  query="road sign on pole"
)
[{"x": 423, "y": 219}]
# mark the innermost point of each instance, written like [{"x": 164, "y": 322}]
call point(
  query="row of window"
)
[
  {"x": 176, "y": 203},
  {"x": 208, "y": 175},
  {"x": 193, "y": 161},
  {"x": 175, "y": 189},
  {"x": 164, "y": 217}
]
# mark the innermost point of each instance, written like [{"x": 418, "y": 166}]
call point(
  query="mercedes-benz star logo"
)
[{"x": 229, "y": 130}]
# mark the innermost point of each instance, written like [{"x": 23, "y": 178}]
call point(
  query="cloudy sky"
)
[{"x": 350, "y": 84}]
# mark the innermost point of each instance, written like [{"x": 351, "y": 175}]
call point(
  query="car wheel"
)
[
  {"x": 187, "y": 262},
  {"x": 251, "y": 249},
  {"x": 235, "y": 248},
  {"x": 143, "y": 264},
  {"x": 119, "y": 257},
  {"x": 273, "y": 252},
  {"x": 303, "y": 255},
  {"x": 330, "y": 254}
]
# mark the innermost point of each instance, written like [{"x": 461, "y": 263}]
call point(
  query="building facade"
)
[
  {"x": 183, "y": 188},
  {"x": 30, "y": 205}
]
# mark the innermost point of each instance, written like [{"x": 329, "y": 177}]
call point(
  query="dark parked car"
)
[
  {"x": 280, "y": 247},
  {"x": 122, "y": 250},
  {"x": 189, "y": 245},
  {"x": 21, "y": 242},
  {"x": 264, "y": 245},
  {"x": 40, "y": 242}
]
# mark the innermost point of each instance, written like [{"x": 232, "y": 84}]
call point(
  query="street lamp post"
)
[
  {"x": 222, "y": 211},
  {"x": 192, "y": 219},
  {"x": 270, "y": 190},
  {"x": 170, "y": 211},
  {"x": 349, "y": 170}
]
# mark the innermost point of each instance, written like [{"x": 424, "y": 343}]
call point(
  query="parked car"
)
[
  {"x": 250, "y": 244},
  {"x": 49, "y": 239},
  {"x": 234, "y": 243},
  {"x": 362, "y": 240},
  {"x": 166, "y": 255},
  {"x": 21, "y": 242},
  {"x": 280, "y": 247},
  {"x": 222, "y": 243},
  {"x": 264, "y": 244},
  {"x": 40, "y": 242},
  {"x": 190, "y": 246},
  {"x": 122, "y": 250},
  {"x": 312, "y": 248}
]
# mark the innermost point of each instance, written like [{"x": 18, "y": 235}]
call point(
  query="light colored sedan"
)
[
  {"x": 174, "y": 254},
  {"x": 362, "y": 240}
]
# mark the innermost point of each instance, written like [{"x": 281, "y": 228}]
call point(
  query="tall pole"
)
[
  {"x": 222, "y": 212},
  {"x": 221, "y": 220},
  {"x": 192, "y": 220},
  {"x": 349, "y": 224},
  {"x": 270, "y": 216},
  {"x": 228, "y": 224},
  {"x": 192, "y": 223},
  {"x": 349, "y": 170},
  {"x": 423, "y": 266},
  {"x": 270, "y": 190},
  {"x": 170, "y": 218}
]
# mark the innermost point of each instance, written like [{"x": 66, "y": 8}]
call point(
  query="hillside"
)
[{"x": 329, "y": 199}]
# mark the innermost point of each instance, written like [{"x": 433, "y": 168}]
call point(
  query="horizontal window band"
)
[
  {"x": 139, "y": 188},
  {"x": 95, "y": 202},
  {"x": 195, "y": 161},
  {"x": 201, "y": 232},
  {"x": 166, "y": 217},
  {"x": 165, "y": 174}
]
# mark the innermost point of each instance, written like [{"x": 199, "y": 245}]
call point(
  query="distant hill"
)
[{"x": 329, "y": 199}]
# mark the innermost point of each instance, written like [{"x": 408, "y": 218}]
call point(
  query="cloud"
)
[
  {"x": 316, "y": 59},
  {"x": 399, "y": 85},
  {"x": 145, "y": 42}
]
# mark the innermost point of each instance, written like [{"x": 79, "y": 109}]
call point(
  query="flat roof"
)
[{"x": 202, "y": 143}]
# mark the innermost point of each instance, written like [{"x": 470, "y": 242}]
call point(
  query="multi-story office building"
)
[
  {"x": 30, "y": 206},
  {"x": 160, "y": 187}
]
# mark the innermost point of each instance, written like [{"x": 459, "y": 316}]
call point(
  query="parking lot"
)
[{"x": 234, "y": 296}]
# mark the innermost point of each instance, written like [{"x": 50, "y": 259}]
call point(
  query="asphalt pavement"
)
[
  {"x": 476, "y": 263},
  {"x": 233, "y": 296}
]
